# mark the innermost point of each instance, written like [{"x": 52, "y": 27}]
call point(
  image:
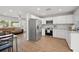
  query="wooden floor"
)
[{"x": 45, "y": 44}]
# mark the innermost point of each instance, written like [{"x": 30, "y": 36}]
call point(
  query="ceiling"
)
[{"x": 42, "y": 11}]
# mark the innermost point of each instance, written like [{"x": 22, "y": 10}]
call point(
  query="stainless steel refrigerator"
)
[{"x": 35, "y": 31}]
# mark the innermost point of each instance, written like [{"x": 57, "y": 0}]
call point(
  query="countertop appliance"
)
[
  {"x": 35, "y": 30},
  {"x": 49, "y": 21}
]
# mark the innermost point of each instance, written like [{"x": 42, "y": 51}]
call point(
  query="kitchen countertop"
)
[{"x": 74, "y": 31}]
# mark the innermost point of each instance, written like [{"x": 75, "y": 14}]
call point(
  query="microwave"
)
[{"x": 49, "y": 22}]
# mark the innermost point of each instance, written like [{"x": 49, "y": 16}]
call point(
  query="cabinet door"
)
[
  {"x": 63, "y": 19},
  {"x": 59, "y": 33},
  {"x": 43, "y": 32},
  {"x": 75, "y": 41},
  {"x": 43, "y": 21},
  {"x": 68, "y": 38}
]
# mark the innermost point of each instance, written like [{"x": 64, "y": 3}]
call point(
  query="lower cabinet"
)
[
  {"x": 43, "y": 32},
  {"x": 74, "y": 41},
  {"x": 59, "y": 33},
  {"x": 72, "y": 38}
]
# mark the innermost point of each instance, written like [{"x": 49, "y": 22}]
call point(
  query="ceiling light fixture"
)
[
  {"x": 38, "y": 9},
  {"x": 48, "y": 9},
  {"x": 43, "y": 14},
  {"x": 10, "y": 10},
  {"x": 60, "y": 10},
  {"x": 20, "y": 12}
]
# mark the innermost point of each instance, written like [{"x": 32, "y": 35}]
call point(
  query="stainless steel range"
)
[{"x": 49, "y": 32}]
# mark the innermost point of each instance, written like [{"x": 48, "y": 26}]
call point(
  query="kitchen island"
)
[{"x": 74, "y": 41}]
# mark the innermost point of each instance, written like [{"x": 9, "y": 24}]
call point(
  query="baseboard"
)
[{"x": 59, "y": 38}]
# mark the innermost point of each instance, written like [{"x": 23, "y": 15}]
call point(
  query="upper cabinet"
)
[
  {"x": 76, "y": 15},
  {"x": 43, "y": 21},
  {"x": 48, "y": 20},
  {"x": 76, "y": 18},
  {"x": 66, "y": 19}
]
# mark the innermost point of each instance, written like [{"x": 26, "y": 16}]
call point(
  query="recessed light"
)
[
  {"x": 38, "y": 9},
  {"x": 59, "y": 9},
  {"x": 48, "y": 9},
  {"x": 10, "y": 10},
  {"x": 43, "y": 14},
  {"x": 20, "y": 12}
]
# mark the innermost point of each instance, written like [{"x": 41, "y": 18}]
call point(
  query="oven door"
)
[{"x": 49, "y": 32}]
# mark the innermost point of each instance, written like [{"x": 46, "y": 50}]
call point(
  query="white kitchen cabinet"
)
[
  {"x": 72, "y": 39},
  {"x": 43, "y": 32},
  {"x": 43, "y": 21},
  {"x": 74, "y": 45},
  {"x": 67, "y": 19},
  {"x": 59, "y": 33},
  {"x": 46, "y": 19},
  {"x": 68, "y": 38},
  {"x": 65, "y": 34}
]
